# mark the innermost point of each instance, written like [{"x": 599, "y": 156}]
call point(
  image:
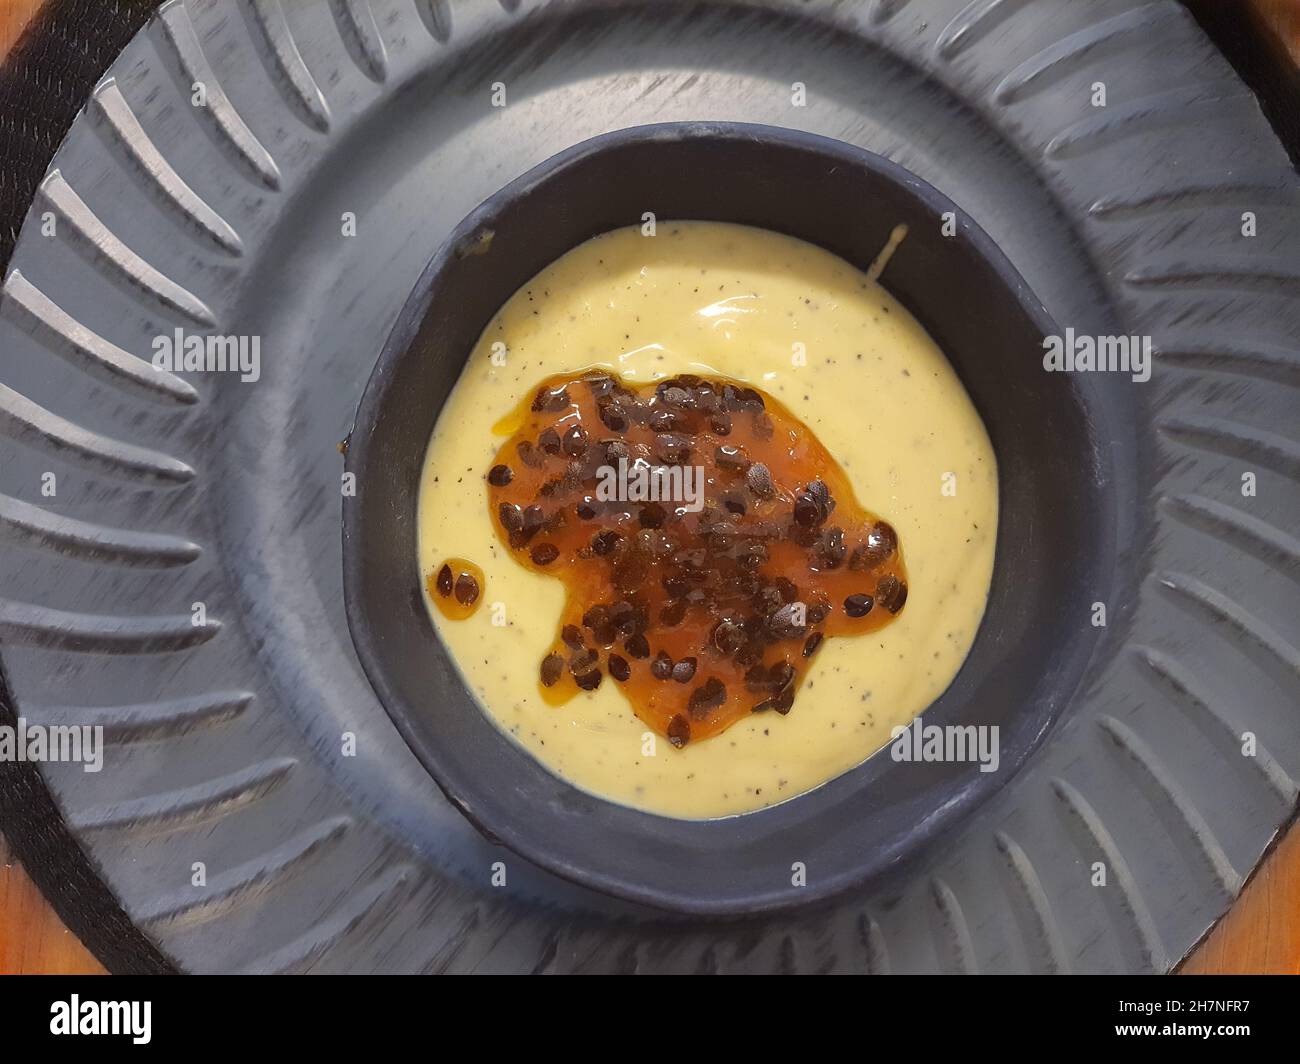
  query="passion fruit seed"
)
[
  {"x": 858, "y": 605},
  {"x": 891, "y": 593},
  {"x": 466, "y": 589},
  {"x": 552, "y": 669},
  {"x": 544, "y": 553},
  {"x": 709, "y": 695},
  {"x": 637, "y": 646},
  {"x": 619, "y": 668},
  {"x": 662, "y": 667}
]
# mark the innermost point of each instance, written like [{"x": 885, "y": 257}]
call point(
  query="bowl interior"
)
[{"x": 1052, "y": 557}]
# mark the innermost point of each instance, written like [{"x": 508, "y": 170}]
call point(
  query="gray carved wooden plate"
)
[{"x": 186, "y": 497}]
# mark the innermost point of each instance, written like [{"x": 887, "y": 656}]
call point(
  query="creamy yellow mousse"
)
[{"x": 844, "y": 357}]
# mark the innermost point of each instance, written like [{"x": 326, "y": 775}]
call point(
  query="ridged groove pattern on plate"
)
[{"x": 292, "y": 66}]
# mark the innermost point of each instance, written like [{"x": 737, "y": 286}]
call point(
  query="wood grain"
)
[
  {"x": 32, "y": 937},
  {"x": 1282, "y": 18},
  {"x": 13, "y": 17},
  {"x": 1261, "y": 933}
]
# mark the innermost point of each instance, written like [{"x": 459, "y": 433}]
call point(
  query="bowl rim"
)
[{"x": 515, "y": 836}]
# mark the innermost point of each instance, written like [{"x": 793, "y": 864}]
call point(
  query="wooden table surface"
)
[{"x": 1261, "y": 933}]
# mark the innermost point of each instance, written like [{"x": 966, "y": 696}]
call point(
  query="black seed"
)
[
  {"x": 858, "y": 605},
  {"x": 664, "y": 421},
  {"x": 466, "y": 589},
  {"x": 581, "y": 661},
  {"x": 733, "y": 458},
  {"x": 720, "y": 423},
  {"x": 512, "y": 517},
  {"x": 758, "y": 478},
  {"x": 595, "y": 616},
  {"x": 676, "y": 396},
  {"x": 588, "y": 681},
  {"x": 614, "y": 450},
  {"x": 662, "y": 666},
  {"x": 729, "y": 636},
  {"x": 627, "y": 617},
  {"x": 673, "y": 614},
  {"x": 572, "y": 636},
  {"x": 586, "y": 510},
  {"x": 529, "y": 455},
  {"x": 781, "y": 703},
  {"x": 676, "y": 584},
  {"x": 614, "y": 416},
  {"x": 500, "y": 475},
  {"x": 604, "y": 542},
  {"x": 806, "y": 511},
  {"x": 630, "y": 572},
  {"x": 882, "y": 539},
  {"x": 549, "y": 441},
  {"x": 709, "y": 694},
  {"x": 830, "y": 549},
  {"x": 891, "y": 593},
  {"x": 637, "y": 646},
  {"x": 445, "y": 580},
  {"x": 552, "y": 667},
  {"x": 575, "y": 442},
  {"x": 821, "y": 495},
  {"x": 600, "y": 385},
  {"x": 544, "y": 553},
  {"x": 551, "y": 399},
  {"x": 619, "y": 668},
  {"x": 684, "y": 670},
  {"x": 812, "y": 643},
  {"x": 789, "y": 592},
  {"x": 781, "y": 676},
  {"x": 789, "y": 621},
  {"x": 679, "y": 731},
  {"x": 672, "y": 449},
  {"x": 652, "y": 515}
]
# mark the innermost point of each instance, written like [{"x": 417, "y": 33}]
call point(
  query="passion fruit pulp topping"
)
[
  {"x": 456, "y": 586},
  {"x": 708, "y": 543}
]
